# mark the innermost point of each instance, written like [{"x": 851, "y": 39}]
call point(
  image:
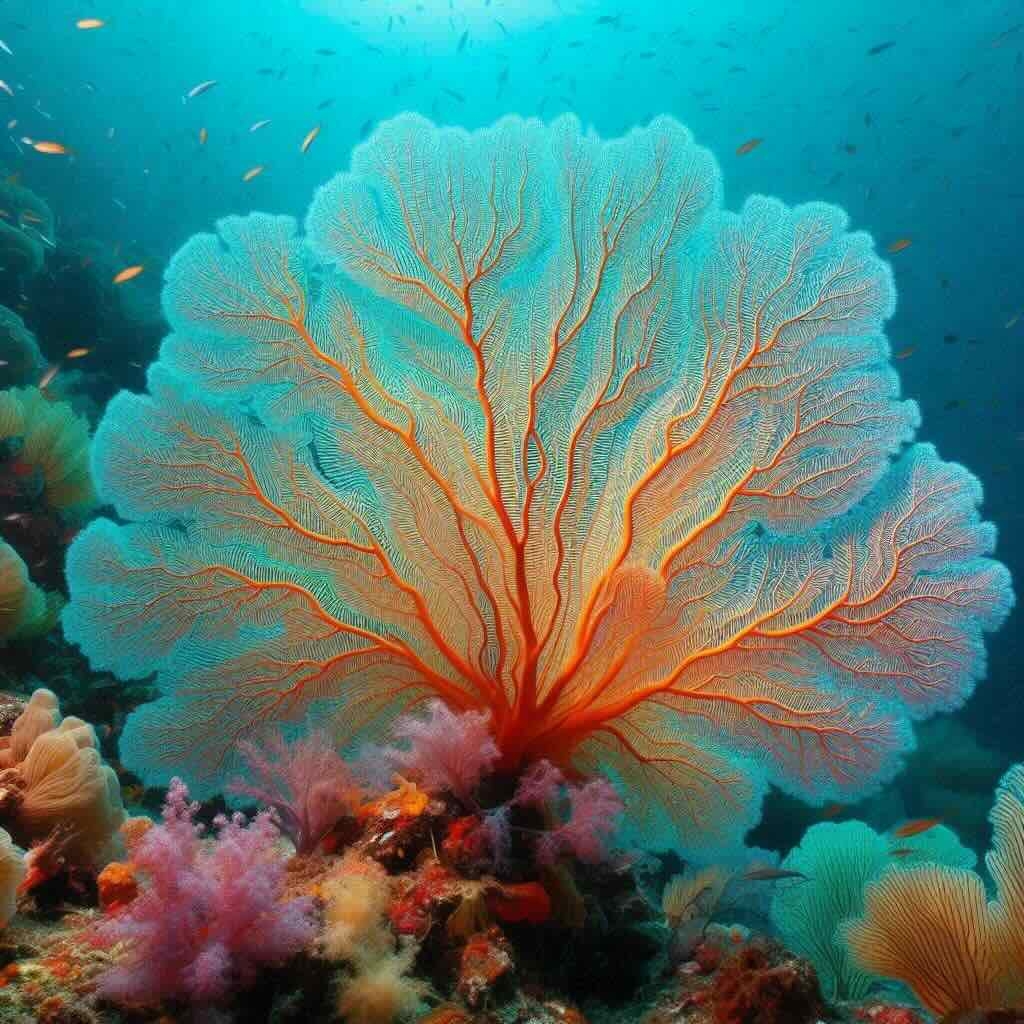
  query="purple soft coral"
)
[
  {"x": 210, "y": 915},
  {"x": 306, "y": 783},
  {"x": 446, "y": 752},
  {"x": 594, "y": 813}
]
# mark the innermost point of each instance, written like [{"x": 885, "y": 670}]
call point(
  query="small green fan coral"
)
[
  {"x": 54, "y": 442},
  {"x": 26, "y": 228},
  {"x": 25, "y": 609},
  {"x": 21, "y": 361},
  {"x": 839, "y": 861}
]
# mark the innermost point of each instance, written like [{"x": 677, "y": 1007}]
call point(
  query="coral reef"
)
[{"x": 528, "y": 424}]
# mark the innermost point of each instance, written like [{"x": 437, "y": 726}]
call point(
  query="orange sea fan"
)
[{"x": 528, "y": 423}]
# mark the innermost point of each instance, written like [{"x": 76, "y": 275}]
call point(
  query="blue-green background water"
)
[{"x": 922, "y": 140}]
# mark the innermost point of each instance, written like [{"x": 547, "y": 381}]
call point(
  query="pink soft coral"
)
[
  {"x": 594, "y": 810},
  {"x": 446, "y": 752},
  {"x": 306, "y": 783},
  {"x": 211, "y": 914}
]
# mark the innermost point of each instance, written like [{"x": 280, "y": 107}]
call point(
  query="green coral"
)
[
  {"x": 21, "y": 362},
  {"x": 26, "y": 228}
]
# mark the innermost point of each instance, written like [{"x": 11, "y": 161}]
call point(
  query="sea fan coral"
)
[
  {"x": 528, "y": 424},
  {"x": 209, "y": 917}
]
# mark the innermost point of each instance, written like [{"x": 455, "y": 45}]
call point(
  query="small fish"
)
[
  {"x": 832, "y": 811},
  {"x": 77, "y": 353},
  {"x": 203, "y": 136},
  {"x": 259, "y": 124},
  {"x": 6, "y": 88},
  {"x": 949, "y": 406},
  {"x": 463, "y": 39},
  {"x": 6, "y": 48},
  {"x": 1012, "y": 322},
  {"x": 16, "y": 517},
  {"x": 198, "y": 90},
  {"x": 899, "y": 245},
  {"x": 455, "y": 95},
  {"x": 905, "y": 353},
  {"x": 324, "y": 104},
  {"x": 325, "y": 52},
  {"x": 915, "y": 827},
  {"x": 749, "y": 146},
  {"x": 47, "y": 378},
  {"x": 880, "y": 48},
  {"x": 950, "y": 339},
  {"x": 51, "y": 148},
  {"x": 253, "y": 172},
  {"x": 309, "y": 139},
  {"x": 902, "y": 851},
  {"x": 128, "y": 273},
  {"x": 771, "y": 874},
  {"x": 119, "y": 204},
  {"x": 89, "y": 23}
]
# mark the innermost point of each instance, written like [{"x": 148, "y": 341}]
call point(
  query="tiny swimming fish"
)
[
  {"x": 198, "y": 90},
  {"x": 915, "y": 827},
  {"x": 203, "y": 136},
  {"x": 309, "y": 139},
  {"x": 77, "y": 353},
  {"x": 748, "y": 146},
  {"x": 880, "y": 48},
  {"x": 128, "y": 273},
  {"x": 6, "y": 88},
  {"x": 905, "y": 353},
  {"x": 899, "y": 245},
  {"x": 47, "y": 378},
  {"x": 771, "y": 874},
  {"x": 259, "y": 124},
  {"x": 89, "y": 23},
  {"x": 6, "y": 48},
  {"x": 52, "y": 148},
  {"x": 253, "y": 172}
]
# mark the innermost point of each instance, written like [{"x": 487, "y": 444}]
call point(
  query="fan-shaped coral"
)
[
  {"x": 934, "y": 928},
  {"x": 25, "y": 609},
  {"x": 53, "y": 778},
  {"x": 20, "y": 358},
  {"x": 12, "y": 871},
  {"x": 528, "y": 423},
  {"x": 53, "y": 442}
]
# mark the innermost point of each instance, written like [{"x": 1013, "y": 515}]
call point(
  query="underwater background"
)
[{"x": 140, "y": 123}]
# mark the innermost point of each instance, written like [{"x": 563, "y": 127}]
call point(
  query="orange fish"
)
[
  {"x": 308, "y": 140},
  {"x": 899, "y": 245},
  {"x": 905, "y": 353},
  {"x": 832, "y": 811},
  {"x": 203, "y": 136},
  {"x": 77, "y": 353},
  {"x": 748, "y": 146},
  {"x": 915, "y": 827},
  {"x": 87, "y": 23},
  {"x": 128, "y": 273},
  {"x": 51, "y": 148},
  {"x": 253, "y": 172}
]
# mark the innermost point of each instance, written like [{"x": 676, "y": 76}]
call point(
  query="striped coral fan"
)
[{"x": 526, "y": 422}]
